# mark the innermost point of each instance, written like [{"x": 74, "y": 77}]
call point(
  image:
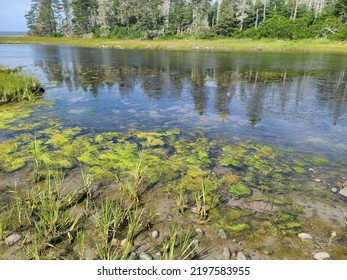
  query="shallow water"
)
[
  {"x": 109, "y": 111},
  {"x": 293, "y": 100}
]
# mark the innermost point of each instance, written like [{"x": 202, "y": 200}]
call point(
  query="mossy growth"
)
[
  {"x": 319, "y": 161},
  {"x": 239, "y": 227},
  {"x": 239, "y": 190},
  {"x": 299, "y": 169},
  {"x": 232, "y": 156}
]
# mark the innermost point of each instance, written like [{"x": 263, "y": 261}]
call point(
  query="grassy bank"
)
[
  {"x": 264, "y": 45},
  {"x": 15, "y": 86}
]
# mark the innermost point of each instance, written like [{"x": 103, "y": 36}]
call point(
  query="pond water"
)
[
  {"x": 195, "y": 112},
  {"x": 294, "y": 100}
]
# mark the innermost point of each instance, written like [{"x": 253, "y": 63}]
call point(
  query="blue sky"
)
[{"x": 12, "y": 14}]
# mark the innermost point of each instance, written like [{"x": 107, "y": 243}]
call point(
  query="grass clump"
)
[{"x": 15, "y": 86}]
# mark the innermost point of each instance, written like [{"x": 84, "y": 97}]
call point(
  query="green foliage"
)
[
  {"x": 240, "y": 190},
  {"x": 200, "y": 18},
  {"x": 84, "y": 16},
  {"x": 15, "y": 86},
  {"x": 121, "y": 32},
  {"x": 227, "y": 21}
]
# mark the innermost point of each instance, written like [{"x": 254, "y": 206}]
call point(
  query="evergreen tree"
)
[
  {"x": 227, "y": 22},
  {"x": 85, "y": 16},
  {"x": 42, "y": 18},
  {"x": 340, "y": 10},
  {"x": 180, "y": 17}
]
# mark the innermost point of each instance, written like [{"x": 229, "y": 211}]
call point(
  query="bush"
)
[
  {"x": 205, "y": 34},
  {"x": 279, "y": 27},
  {"x": 100, "y": 33},
  {"x": 122, "y": 32},
  {"x": 57, "y": 35}
]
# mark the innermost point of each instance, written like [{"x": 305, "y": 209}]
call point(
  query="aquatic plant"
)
[
  {"x": 240, "y": 190},
  {"x": 178, "y": 246}
]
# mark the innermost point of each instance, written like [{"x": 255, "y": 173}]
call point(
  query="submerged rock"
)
[
  {"x": 12, "y": 239},
  {"x": 226, "y": 253},
  {"x": 268, "y": 251},
  {"x": 305, "y": 236},
  {"x": 335, "y": 189},
  {"x": 146, "y": 257},
  {"x": 343, "y": 192},
  {"x": 222, "y": 234},
  {"x": 155, "y": 234},
  {"x": 241, "y": 256},
  {"x": 199, "y": 231},
  {"x": 321, "y": 256}
]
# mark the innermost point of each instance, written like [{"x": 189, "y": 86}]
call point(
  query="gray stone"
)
[
  {"x": 155, "y": 234},
  {"x": 268, "y": 251},
  {"x": 12, "y": 239},
  {"x": 133, "y": 256},
  {"x": 199, "y": 231},
  {"x": 305, "y": 236},
  {"x": 226, "y": 253},
  {"x": 343, "y": 192},
  {"x": 335, "y": 190},
  {"x": 146, "y": 257},
  {"x": 241, "y": 256},
  {"x": 222, "y": 234},
  {"x": 321, "y": 256}
]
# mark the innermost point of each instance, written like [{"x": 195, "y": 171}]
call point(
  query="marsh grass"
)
[
  {"x": 181, "y": 200},
  {"x": 15, "y": 86},
  {"x": 188, "y": 44},
  {"x": 178, "y": 246}
]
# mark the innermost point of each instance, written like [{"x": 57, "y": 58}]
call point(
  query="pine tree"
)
[
  {"x": 85, "y": 16},
  {"x": 42, "y": 18},
  {"x": 31, "y": 17},
  {"x": 227, "y": 22},
  {"x": 180, "y": 17}
]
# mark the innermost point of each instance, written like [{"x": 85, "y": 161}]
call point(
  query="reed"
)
[
  {"x": 178, "y": 246},
  {"x": 15, "y": 86}
]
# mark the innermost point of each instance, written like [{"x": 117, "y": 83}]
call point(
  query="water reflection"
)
[{"x": 259, "y": 84}]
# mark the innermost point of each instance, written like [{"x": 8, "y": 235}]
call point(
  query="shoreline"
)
[{"x": 191, "y": 44}]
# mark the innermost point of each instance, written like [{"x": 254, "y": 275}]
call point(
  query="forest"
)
[{"x": 203, "y": 19}]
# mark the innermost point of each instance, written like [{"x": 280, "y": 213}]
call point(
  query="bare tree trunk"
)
[
  {"x": 295, "y": 9},
  {"x": 218, "y": 9},
  {"x": 256, "y": 18}
]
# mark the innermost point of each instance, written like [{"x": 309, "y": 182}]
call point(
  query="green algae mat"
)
[{"x": 72, "y": 193}]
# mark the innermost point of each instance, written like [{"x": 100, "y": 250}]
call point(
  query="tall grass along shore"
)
[
  {"x": 188, "y": 44},
  {"x": 15, "y": 86}
]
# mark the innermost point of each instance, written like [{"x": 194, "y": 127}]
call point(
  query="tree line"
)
[{"x": 149, "y": 19}]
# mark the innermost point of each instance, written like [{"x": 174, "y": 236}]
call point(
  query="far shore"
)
[{"x": 190, "y": 44}]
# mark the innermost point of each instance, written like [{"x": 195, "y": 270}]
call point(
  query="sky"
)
[{"x": 12, "y": 14}]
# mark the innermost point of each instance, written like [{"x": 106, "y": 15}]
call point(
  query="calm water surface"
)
[{"x": 282, "y": 99}]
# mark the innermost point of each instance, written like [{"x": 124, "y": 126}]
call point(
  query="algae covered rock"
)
[{"x": 240, "y": 190}]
